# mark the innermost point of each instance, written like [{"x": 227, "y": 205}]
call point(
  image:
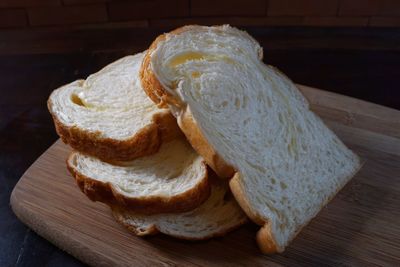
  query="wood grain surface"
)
[{"x": 359, "y": 227}]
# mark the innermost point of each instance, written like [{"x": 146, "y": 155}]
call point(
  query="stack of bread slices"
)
[{"x": 195, "y": 135}]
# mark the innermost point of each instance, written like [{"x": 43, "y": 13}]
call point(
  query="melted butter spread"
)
[
  {"x": 79, "y": 100},
  {"x": 183, "y": 58},
  {"x": 196, "y": 56},
  {"x": 195, "y": 74}
]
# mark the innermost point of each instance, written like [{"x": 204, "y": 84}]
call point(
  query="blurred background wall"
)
[{"x": 159, "y": 13}]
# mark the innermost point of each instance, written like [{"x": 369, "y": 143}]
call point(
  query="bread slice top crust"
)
[
  {"x": 109, "y": 116},
  {"x": 172, "y": 180},
  {"x": 218, "y": 215},
  {"x": 239, "y": 113}
]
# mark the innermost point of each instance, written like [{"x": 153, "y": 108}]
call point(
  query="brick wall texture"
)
[{"x": 171, "y": 13}]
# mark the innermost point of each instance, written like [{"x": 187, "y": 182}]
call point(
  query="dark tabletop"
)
[{"x": 363, "y": 63}]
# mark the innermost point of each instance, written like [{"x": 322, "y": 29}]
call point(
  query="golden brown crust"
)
[
  {"x": 105, "y": 192},
  {"x": 266, "y": 241},
  {"x": 186, "y": 122},
  {"x": 145, "y": 142},
  {"x": 265, "y": 238},
  {"x": 189, "y": 127},
  {"x": 116, "y": 212},
  {"x": 237, "y": 191},
  {"x": 167, "y": 127},
  {"x": 150, "y": 84}
]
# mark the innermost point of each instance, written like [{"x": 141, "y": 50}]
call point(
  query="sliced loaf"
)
[
  {"x": 172, "y": 180},
  {"x": 250, "y": 120},
  {"x": 215, "y": 217},
  {"x": 109, "y": 116}
]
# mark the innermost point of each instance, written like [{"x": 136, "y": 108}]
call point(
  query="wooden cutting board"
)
[{"x": 361, "y": 226}]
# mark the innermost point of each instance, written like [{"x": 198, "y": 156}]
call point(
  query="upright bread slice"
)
[
  {"x": 218, "y": 215},
  {"x": 239, "y": 113},
  {"x": 172, "y": 180},
  {"x": 109, "y": 116}
]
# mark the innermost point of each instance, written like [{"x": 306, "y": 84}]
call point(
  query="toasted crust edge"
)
[
  {"x": 145, "y": 142},
  {"x": 264, "y": 237},
  {"x": 151, "y": 230},
  {"x": 192, "y": 132},
  {"x": 150, "y": 84},
  {"x": 105, "y": 192}
]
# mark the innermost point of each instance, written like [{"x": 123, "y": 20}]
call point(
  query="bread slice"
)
[
  {"x": 172, "y": 180},
  {"x": 215, "y": 217},
  {"x": 245, "y": 117},
  {"x": 109, "y": 116}
]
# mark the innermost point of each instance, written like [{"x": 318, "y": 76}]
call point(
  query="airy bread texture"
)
[
  {"x": 215, "y": 217},
  {"x": 242, "y": 115},
  {"x": 172, "y": 180},
  {"x": 109, "y": 116}
]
